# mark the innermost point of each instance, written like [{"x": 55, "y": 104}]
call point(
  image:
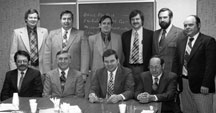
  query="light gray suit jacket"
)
[
  {"x": 97, "y": 49},
  {"x": 167, "y": 51},
  {"x": 20, "y": 41},
  {"x": 74, "y": 85},
  {"x": 77, "y": 46}
]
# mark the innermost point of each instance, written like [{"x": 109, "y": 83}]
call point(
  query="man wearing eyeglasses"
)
[{"x": 24, "y": 80}]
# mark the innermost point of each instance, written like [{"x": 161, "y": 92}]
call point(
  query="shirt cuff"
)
[
  {"x": 122, "y": 96},
  {"x": 156, "y": 99}
]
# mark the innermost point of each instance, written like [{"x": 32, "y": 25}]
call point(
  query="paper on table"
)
[
  {"x": 6, "y": 106},
  {"x": 147, "y": 111},
  {"x": 75, "y": 109},
  {"x": 51, "y": 110}
]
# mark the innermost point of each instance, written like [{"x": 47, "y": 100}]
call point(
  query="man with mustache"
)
[
  {"x": 24, "y": 80},
  {"x": 137, "y": 45},
  {"x": 68, "y": 39},
  {"x": 31, "y": 39},
  {"x": 164, "y": 39}
]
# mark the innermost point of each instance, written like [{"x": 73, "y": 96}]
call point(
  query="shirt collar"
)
[
  {"x": 104, "y": 35},
  {"x": 114, "y": 72},
  {"x": 63, "y": 30},
  {"x": 19, "y": 72},
  {"x": 168, "y": 28},
  {"x": 195, "y": 36},
  {"x": 29, "y": 29},
  {"x": 157, "y": 77},
  {"x": 139, "y": 31},
  {"x": 66, "y": 72}
]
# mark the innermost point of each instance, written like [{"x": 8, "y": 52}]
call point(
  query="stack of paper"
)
[{"x": 7, "y": 106}]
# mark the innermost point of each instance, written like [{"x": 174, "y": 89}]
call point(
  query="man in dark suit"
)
[
  {"x": 164, "y": 39},
  {"x": 194, "y": 62},
  {"x": 63, "y": 81},
  {"x": 157, "y": 85},
  {"x": 24, "y": 80},
  {"x": 137, "y": 45},
  {"x": 113, "y": 82}
]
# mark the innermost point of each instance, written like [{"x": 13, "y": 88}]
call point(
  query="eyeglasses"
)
[{"x": 22, "y": 61}]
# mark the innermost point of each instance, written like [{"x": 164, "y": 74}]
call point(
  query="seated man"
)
[
  {"x": 24, "y": 80},
  {"x": 157, "y": 85},
  {"x": 113, "y": 82},
  {"x": 63, "y": 81}
]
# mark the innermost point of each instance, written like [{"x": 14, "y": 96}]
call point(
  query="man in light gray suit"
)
[
  {"x": 30, "y": 39},
  {"x": 70, "y": 39},
  {"x": 63, "y": 81},
  {"x": 164, "y": 39}
]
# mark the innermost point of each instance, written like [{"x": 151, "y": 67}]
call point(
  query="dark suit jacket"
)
[
  {"x": 31, "y": 85},
  {"x": 147, "y": 47},
  {"x": 167, "y": 51},
  {"x": 73, "y": 86},
  {"x": 165, "y": 92},
  {"x": 124, "y": 83},
  {"x": 201, "y": 62}
]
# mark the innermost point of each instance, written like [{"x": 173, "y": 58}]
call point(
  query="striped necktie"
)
[
  {"x": 135, "y": 49},
  {"x": 186, "y": 56},
  {"x": 62, "y": 80},
  {"x": 162, "y": 40},
  {"x": 110, "y": 86}
]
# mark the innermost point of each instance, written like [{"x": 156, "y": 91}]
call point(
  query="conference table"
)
[{"x": 86, "y": 106}]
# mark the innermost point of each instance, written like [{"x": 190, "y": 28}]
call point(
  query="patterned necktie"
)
[
  {"x": 33, "y": 46},
  {"x": 162, "y": 40},
  {"x": 64, "y": 41},
  {"x": 21, "y": 79},
  {"x": 62, "y": 80},
  {"x": 186, "y": 56},
  {"x": 135, "y": 49},
  {"x": 110, "y": 87},
  {"x": 155, "y": 84}
]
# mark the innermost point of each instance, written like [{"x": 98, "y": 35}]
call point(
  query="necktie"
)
[
  {"x": 64, "y": 42},
  {"x": 62, "y": 80},
  {"x": 162, "y": 40},
  {"x": 135, "y": 49},
  {"x": 110, "y": 87},
  {"x": 20, "y": 81},
  {"x": 33, "y": 47},
  {"x": 155, "y": 84},
  {"x": 186, "y": 56}
]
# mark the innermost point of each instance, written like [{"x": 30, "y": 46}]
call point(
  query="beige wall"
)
[{"x": 12, "y": 16}]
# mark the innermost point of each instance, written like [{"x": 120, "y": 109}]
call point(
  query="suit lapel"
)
[
  {"x": 118, "y": 79},
  {"x": 69, "y": 80},
  {"x": 104, "y": 82},
  {"x": 157, "y": 34},
  {"x": 99, "y": 43},
  {"x": 40, "y": 37},
  {"x": 56, "y": 79},
  {"x": 148, "y": 83},
  {"x": 162, "y": 83},
  {"x": 73, "y": 36},
  {"x": 195, "y": 47},
  {"x": 14, "y": 79},
  {"x": 25, "y": 38},
  {"x": 114, "y": 42},
  {"x": 182, "y": 47},
  {"x": 58, "y": 38}
]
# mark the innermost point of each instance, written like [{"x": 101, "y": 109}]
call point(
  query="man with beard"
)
[
  {"x": 194, "y": 63},
  {"x": 31, "y": 39},
  {"x": 113, "y": 82},
  {"x": 164, "y": 39},
  {"x": 63, "y": 81},
  {"x": 70, "y": 39},
  {"x": 24, "y": 80},
  {"x": 137, "y": 45}
]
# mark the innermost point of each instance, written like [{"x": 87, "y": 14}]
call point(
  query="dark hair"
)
[
  {"x": 66, "y": 12},
  {"x": 166, "y": 9},
  {"x": 198, "y": 22},
  {"x": 31, "y": 11},
  {"x": 157, "y": 56},
  {"x": 135, "y": 13},
  {"x": 22, "y": 53},
  {"x": 105, "y": 17},
  {"x": 61, "y": 52},
  {"x": 110, "y": 52}
]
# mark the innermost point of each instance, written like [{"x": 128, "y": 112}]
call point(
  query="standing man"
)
[
  {"x": 137, "y": 45},
  {"x": 194, "y": 62},
  {"x": 69, "y": 39},
  {"x": 158, "y": 86},
  {"x": 31, "y": 39},
  {"x": 102, "y": 41},
  {"x": 113, "y": 82},
  {"x": 24, "y": 80},
  {"x": 63, "y": 81},
  {"x": 164, "y": 39}
]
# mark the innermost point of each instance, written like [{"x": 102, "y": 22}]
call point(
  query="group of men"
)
[{"x": 142, "y": 64}]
